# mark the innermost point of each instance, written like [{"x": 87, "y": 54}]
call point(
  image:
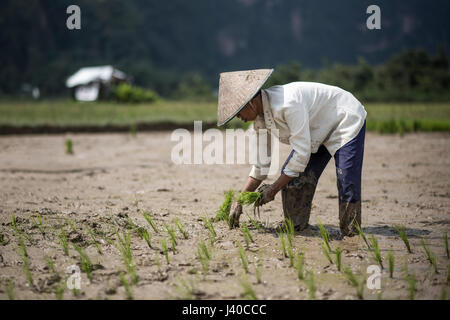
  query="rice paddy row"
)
[{"x": 123, "y": 233}]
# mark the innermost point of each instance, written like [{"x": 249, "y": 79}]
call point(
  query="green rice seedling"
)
[
  {"x": 300, "y": 265},
  {"x": 26, "y": 263},
  {"x": 246, "y": 233},
  {"x": 157, "y": 261},
  {"x": 150, "y": 221},
  {"x": 443, "y": 293},
  {"x": 412, "y": 286},
  {"x": 127, "y": 286},
  {"x": 391, "y": 261},
  {"x": 203, "y": 262},
  {"x": 249, "y": 292},
  {"x": 85, "y": 262},
  {"x": 254, "y": 223},
  {"x": 208, "y": 225},
  {"x": 224, "y": 210},
  {"x": 325, "y": 235},
  {"x": 431, "y": 256},
  {"x": 283, "y": 244},
  {"x": 10, "y": 289},
  {"x": 59, "y": 291},
  {"x": 362, "y": 235},
  {"x": 141, "y": 232},
  {"x": 14, "y": 224},
  {"x": 94, "y": 240},
  {"x": 311, "y": 285},
  {"x": 402, "y": 234},
  {"x": 23, "y": 247},
  {"x": 72, "y": 225},
  {"x": 358, "y": 285},
  {"x": 186, "y": 289},
  {"x": 146, "y": 236},
  {"x": 289, "y": 229},
  {"x": 376, "y": 250},
  {"x": 165, "y": 249},
  {"x": 204, "y": 256},
  {"x": 172, "y": 237},
  {"x": 290, "y": 252},
  {"x": 37, "y": 222},
  {"x": 448, "y": 274},
  {"x": 445, "y": 238},
  {"x": 243, "y": 257},
  {"x": 127, "y": 255},
  {"x": 69, "y": 146},
  {"x": 338, "y": 253},
  {"x": 64, "y": 241},
  {"x": 204, "y": 250},
  {"x": 2, "y": 239},
  {"x": 17, "y": 231},
  {"x": 181, "y": 228},
  {"x": 258, "y": 267},
  {"x": 326, "y": 253},
  {"x": 51, "y": 267},
  {"x": 133, "y": 130}
]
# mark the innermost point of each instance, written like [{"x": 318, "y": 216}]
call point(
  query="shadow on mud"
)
[{"x": 335, "y": 233}]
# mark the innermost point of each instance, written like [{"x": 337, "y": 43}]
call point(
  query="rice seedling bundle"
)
[
  {"x": 224, "y": 210},
  {"x": 248, "y": 197}
]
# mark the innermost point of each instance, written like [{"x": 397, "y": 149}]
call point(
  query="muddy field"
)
[{"x": 112, "y": 179}]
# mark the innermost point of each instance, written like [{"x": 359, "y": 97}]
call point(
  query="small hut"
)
[{"x": 94, "y": 83}]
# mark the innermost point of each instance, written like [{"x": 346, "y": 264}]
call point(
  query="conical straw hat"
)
[{"x": 236, "y": 89}]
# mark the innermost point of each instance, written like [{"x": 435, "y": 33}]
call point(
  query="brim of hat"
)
[{"x": 245, "y": 103}]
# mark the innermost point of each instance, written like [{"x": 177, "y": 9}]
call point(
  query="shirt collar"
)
[{"x": 267, "y": 116}]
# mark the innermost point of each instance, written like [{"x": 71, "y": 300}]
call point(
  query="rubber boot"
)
[
  {"x": 349, "y": 212},
  {"x": 297, "y": 198}
]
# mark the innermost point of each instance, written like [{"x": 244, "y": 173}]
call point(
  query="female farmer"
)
[{"x": 319, "y": 122}]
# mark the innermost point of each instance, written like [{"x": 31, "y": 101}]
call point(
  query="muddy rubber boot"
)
[
  {"x": 297, "y": 198},
  {"x": 349, "y": 212}
]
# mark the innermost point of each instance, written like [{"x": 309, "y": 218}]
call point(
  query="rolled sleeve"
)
[
  {"x": 297, "y": 120},
  {"x": 261, "y": 168}
]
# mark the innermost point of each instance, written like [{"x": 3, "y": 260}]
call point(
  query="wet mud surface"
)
[{"x": 111, "y": 179}]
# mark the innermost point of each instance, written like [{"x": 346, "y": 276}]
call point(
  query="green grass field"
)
[{"x": 382, "y": 117}]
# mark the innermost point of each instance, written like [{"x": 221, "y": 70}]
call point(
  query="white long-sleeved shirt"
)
[{"x": 307, "y": 115}]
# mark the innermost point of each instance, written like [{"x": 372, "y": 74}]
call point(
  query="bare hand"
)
[{"x": 235, "y": 213}]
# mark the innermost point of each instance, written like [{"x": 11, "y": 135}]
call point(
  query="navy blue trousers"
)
[{"x": 348, "y": 160}]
